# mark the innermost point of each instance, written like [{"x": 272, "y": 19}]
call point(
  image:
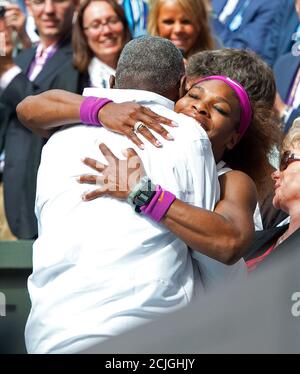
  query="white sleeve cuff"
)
[{"x": 8, "y": 76}]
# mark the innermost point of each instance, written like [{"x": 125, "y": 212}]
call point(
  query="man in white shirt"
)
[{"x": 99, "y": 268}]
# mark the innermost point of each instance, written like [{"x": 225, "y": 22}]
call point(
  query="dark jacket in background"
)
[
  {"x": 281, "y": 38},
  {"x": 285, "y": 71},
  {"x": 22, "y": 147},
  {"x": 257, "y": 21},
  {"x": 263, "y": 241},
  {"x": 4, "y": 114}
]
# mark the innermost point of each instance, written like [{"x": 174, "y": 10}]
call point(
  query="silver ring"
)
[{"x": 137, "y": 126}]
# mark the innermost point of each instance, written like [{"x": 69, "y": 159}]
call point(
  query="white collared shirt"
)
[
  {"x": 99, "y": 73},
  {"x": 99, "y": 268}
]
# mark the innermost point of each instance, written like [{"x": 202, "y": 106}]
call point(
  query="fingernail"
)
[
  {"x": 170, "y": 137},
  {"x": 142, "y": 146},
  {"x": 158, "y": 143},
  {"x": 175, "y": 124}
]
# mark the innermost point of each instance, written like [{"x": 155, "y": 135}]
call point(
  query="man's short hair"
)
[{"x": 150, "y": 63}]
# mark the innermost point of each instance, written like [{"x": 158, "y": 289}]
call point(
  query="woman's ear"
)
[
  {"x": 182, "y": 89},
  {"x": 233, "y": 140}
]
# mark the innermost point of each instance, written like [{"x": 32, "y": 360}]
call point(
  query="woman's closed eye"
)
[
  {"x": 221, "y": 111},
  {"x": 193, "y": 96}
]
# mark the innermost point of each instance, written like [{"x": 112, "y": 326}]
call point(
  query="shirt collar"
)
[
  {"x": 100, "y": 65},
  {"x": 139, "y": 96},
  {"x": 40, "y": 50}
]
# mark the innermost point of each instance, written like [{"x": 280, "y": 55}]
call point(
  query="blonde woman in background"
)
[{"x": 184, "y": 22}]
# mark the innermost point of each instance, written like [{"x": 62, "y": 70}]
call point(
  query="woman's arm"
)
[
  {"x": 223, "y": 234},
  {"x": 46, "y": 112}
]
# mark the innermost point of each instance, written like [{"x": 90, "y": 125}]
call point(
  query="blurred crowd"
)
[{"x": 73, "y": 44}]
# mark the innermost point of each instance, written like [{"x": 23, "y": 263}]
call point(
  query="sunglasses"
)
[{"x": 287, "y": 158}]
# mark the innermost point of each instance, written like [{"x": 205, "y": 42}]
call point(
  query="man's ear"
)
[
  {"x": 182, "y": 89},
  {"x": 112, "y": 81}
]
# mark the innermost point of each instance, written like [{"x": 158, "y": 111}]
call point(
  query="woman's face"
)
[
  {"x": 215, "y": 106},
  {"x": 174, "y": 24},
  {"x": 287, "y": 184},
  {"x": 104, "y": 30}
]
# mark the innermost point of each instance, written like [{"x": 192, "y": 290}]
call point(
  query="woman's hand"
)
[
  {"x": 122, "y": 117},
  {"x": 117, "y": 178}
]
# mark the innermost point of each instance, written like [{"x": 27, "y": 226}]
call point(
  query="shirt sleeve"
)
[{"x": 8, "y": 76}]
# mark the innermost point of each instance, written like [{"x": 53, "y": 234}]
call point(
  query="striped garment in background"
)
[{"x": 136, "y": 12}]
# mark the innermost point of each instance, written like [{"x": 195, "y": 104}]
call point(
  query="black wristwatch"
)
[{"x": 142, "y": 194}]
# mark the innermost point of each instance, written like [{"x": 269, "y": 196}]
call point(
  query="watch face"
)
[
  {"x": 141, "y": 198},
  {"x": 144, "y": 195}
]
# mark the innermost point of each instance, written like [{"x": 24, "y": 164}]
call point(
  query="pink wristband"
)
[
  {"x": 89, "y": 110},
  {"x": 159, "y": 204}
]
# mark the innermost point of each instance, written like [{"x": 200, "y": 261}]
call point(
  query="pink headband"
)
[{"x": 246, "y": 111}]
